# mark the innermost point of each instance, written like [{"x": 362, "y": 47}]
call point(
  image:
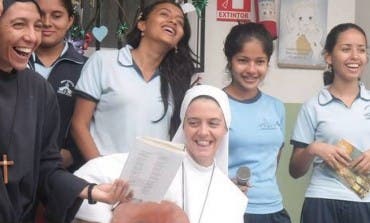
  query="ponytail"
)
[{"x": 328, "y": 75}]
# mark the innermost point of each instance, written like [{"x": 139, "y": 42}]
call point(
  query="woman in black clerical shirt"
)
[{"x": 29, "y": 119}]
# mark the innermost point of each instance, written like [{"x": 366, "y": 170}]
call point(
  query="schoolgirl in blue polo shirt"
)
[
  {"x": 137, "y": 90},
  {"x": 258, "y": 122},
  {"x": 340, "y": 111}
]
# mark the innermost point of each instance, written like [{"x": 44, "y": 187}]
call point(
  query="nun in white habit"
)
[{"x": 201, "y": 186}]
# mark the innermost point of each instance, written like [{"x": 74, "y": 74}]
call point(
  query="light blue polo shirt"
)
[
  {"x": 255, "y": 137},
  {"x": 127, "y": 106},
  {"x": 327, "y": 119}
]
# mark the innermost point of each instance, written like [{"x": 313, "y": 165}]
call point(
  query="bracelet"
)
[{"x": 89, "y": 193}]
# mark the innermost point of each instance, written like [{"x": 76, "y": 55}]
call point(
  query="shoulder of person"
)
[
  {"x": 33, "y": 84},
  {"x": 272, "y": 99},
  {"x": 106, "y": 52},
  {"x": 73, "y": 54},
  {"x": 33, "y": 77},
  {"x": 102, "y": 56},
  {"x": 320, "y": 98}
]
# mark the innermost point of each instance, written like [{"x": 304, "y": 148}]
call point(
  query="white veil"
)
[{"x": 222, "y": 153}]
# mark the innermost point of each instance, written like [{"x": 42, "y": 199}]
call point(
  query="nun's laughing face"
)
[
  {"x": 204, "y": 128},
  {"x": 20, "y": 35}
]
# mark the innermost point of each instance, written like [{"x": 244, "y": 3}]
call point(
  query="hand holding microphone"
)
[{"x": 242, "y": 178}]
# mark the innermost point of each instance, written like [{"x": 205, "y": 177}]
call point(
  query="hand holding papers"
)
[{"x": 151, "y": 167}]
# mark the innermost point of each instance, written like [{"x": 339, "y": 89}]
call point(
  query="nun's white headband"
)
[{"x": 222, "y": 153}]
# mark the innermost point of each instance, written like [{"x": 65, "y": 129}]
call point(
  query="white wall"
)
[
  {"x": 290, "y": 85},
  {"x": 363, "y": 19}
]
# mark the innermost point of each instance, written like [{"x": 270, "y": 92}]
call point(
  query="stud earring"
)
[{"x": 329, "y": 68}]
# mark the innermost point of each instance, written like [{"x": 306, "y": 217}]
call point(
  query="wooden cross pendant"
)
[{"x": 5, "y": 163}]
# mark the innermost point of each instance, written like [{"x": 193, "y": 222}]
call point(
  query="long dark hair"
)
[
  {"x": 176, "y": 68},
  {"x": 331, "y": 41}
]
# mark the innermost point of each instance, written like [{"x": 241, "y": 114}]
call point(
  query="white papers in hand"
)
[{"x": 151, "y": 167}]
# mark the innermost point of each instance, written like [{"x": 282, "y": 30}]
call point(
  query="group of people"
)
[{"x": 144, "y": 89}]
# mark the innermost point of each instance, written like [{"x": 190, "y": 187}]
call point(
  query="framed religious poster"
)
[{"x": 302, "y": 33}]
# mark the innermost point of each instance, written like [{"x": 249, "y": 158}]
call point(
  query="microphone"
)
[{"x": 242, "y": 175}]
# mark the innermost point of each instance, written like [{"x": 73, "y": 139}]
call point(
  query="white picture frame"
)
[{"x": 302, "y": 31}]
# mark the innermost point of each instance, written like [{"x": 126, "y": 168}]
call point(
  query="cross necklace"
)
[
  {"x": 5, "y": 162},
  {"x": 206, "y": 196}
]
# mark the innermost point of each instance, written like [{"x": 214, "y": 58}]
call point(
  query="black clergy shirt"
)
[{"x": 29, "y": 125}]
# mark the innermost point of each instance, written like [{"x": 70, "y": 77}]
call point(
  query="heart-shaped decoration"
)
[{"x": 100, "y": 32}]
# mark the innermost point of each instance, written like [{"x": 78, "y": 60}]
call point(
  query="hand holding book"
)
[
  {"x": 361, "y": 164},
  {"x": 357, "y": 182},
  {"x": 151, "y": 167}
]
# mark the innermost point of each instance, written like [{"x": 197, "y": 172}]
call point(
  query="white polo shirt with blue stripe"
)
[
  {"x": 327, "y": 119},
  {"x": 127, "y": 105}
]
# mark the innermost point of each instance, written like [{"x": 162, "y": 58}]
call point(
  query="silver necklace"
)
[{"x": 206, "y": 197}]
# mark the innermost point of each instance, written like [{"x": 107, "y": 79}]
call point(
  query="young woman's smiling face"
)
[
  {"x": 164, "y": 24},
  {"x": 349, "y": 56},
  {"x": 249, "y": 67}
]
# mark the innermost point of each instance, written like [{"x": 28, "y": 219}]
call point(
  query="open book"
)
[
  {"x": 358, "y": 183},
  {"x": 151, "y": 167}
]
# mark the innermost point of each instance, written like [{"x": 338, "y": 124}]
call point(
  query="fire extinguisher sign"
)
[{"x": 233, "y": 10}]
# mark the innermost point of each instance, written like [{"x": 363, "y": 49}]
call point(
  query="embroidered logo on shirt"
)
[
  {"x": 367, "y": 112},
  {"x": 367, "y": 115},
  {"x": 65, "y": 88},
  {"x": 268, "y": 125}
]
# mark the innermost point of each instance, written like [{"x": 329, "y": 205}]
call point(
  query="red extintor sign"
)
[{"x": 234, "y": 10}]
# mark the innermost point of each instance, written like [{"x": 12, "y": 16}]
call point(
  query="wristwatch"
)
[{"x": 89, "y": 193}]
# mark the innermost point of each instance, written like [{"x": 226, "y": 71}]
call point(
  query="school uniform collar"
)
[
  {"x": 126, "y": 60},
  {"x": 35, "y": 59},
  {"x": 125, "y": 56},
  {"x": 325, "y": 97},
  {"x": 247, "y": 101},
  {"x": 68, "y": 53}
]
